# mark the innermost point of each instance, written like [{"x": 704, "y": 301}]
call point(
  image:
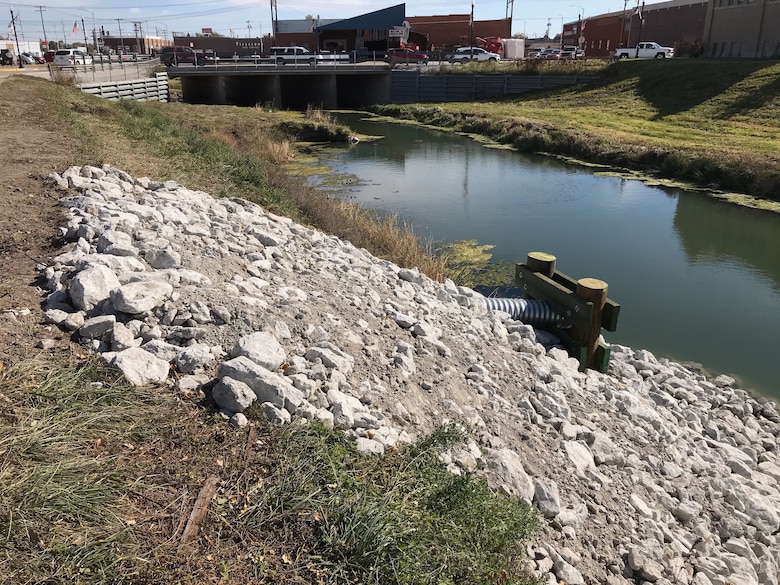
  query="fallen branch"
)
[
  {"x": 250, "y": 440},
  {"x": 198, "y": 513}
]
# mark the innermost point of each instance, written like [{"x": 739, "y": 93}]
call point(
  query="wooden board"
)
[{"x": 575, "y": 311}]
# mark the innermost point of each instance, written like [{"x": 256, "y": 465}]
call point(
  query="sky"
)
[{"x": 242, "y": 18}]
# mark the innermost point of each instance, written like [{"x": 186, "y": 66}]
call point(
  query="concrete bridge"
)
[{"x": 286, "y": 86}]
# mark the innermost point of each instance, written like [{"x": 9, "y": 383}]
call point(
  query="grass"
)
[
  {"x": 714, "y": 124},
  {"x": 98, "y": 480},
  {"x": 524, "y": 67}
]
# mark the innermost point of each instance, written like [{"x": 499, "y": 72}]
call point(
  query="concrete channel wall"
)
[
  {"x": 141, "y": 90},
  {"x": 413, "y": 86}
]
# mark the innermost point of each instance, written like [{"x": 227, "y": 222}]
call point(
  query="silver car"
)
[
  {"x": 466, "y": 54},
  {"x": 69, "y": 57}
]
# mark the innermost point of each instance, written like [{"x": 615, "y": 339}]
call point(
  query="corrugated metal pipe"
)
[{"x": 529, "y": 311}]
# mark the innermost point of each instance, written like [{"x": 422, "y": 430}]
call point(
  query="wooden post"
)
[
  {"x": 541, "y": 262},
  {"x": 594, "y": 291}
]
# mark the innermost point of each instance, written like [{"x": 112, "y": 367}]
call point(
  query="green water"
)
[{"x": 698, "y": 279}]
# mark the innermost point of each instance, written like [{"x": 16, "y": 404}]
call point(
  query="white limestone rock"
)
[
  {"x": 140, "y": 297},
  {"x": 262, "y": 348},
  {"x": 140, "y": 367},
  {"x": 232, "y": 395},
  {"x": 91, "y": 286}
]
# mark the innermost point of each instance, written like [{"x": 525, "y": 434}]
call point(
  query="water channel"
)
[{"x": 698, "y": 279}]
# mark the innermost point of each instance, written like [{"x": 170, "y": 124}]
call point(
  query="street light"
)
[{"x": 561, "y": 17}]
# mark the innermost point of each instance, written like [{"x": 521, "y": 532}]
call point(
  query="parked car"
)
[
  {"x": 466, "y": 54},
  {"x": 71, "y": 57},
  {"x": 175, "y": 55},
  {"x": 571, "y": 52},
  {"x": 48, "y": 56},
  {"x": 397, "y": 56},
  {"x": 548, "y": 53},
  {"x": 30, "y": 59}
]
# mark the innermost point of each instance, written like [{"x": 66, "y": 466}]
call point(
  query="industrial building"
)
[{"x": 695, "y": 28}]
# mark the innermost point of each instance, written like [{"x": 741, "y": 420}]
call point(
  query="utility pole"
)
[
  {"x": 641, "y": 20},
  {"x": 622, "y": 23},
  {"x": 471, "y": 31},
  {"x": 274, "y": 22},
  {"x": 18, "y": 51},
  {"x": 45, "y": 39},
  {"x": 64, "y": 38},
  {"x": 137, "y": 28},
  {"x": 248, "y": 29},
  {"x": 121, "y": 40},
  {"x": 84, "y": 30}
]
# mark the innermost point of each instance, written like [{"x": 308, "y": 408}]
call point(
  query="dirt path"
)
[{"x": 29, "y": 150}]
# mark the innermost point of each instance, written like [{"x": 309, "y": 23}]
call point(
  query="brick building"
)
[
  {"x": 449, "y": 31},
  {"x": 673, "y": 24}
]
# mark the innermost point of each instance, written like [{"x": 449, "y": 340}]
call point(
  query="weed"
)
[{"x": 63, "y": 77}]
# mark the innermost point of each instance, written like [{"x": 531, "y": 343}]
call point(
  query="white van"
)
[{"x": 70, "y": 57}]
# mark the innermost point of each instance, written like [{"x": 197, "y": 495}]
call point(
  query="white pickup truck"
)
[
  {"x": 301, "y": 56},
  {"x": 649, "y": 50},
  {"x": 296, "y": 55}
]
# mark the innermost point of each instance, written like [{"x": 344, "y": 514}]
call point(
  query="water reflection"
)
[
  {"x": 698, "y": 279},
  {"x": 713, "y": 231}
]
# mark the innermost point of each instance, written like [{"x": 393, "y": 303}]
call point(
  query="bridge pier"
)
[{"x": 289, "y": 88}]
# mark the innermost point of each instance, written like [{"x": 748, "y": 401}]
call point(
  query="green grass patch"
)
[
  {"x": 97, "y": 481},
  {"x": 342, "y": 517}
]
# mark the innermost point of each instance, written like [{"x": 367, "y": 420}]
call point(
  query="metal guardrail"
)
[
  {"x": 104, "y": 69},
  {"x": 260, "y": 65}
]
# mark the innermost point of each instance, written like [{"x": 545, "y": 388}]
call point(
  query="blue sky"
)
[{"x": 253, "y": 17}]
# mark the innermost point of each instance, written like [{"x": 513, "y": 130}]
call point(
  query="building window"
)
[{"x": 607, "y": 44}]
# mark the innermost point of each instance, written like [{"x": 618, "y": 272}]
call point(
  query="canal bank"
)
[{"x": 712, "y": 124}]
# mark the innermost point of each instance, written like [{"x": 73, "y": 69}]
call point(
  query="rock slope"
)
[{"x": 650, "y": 474}]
